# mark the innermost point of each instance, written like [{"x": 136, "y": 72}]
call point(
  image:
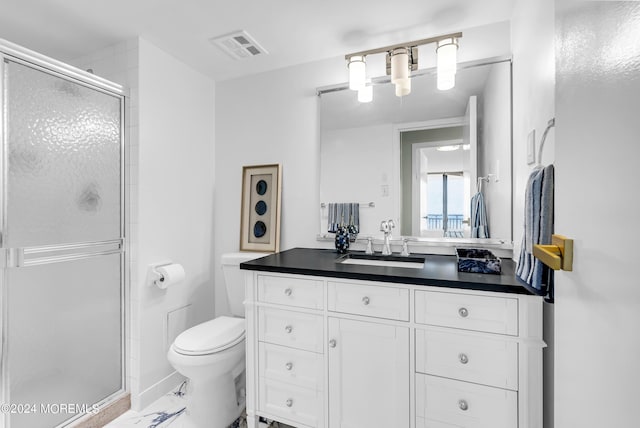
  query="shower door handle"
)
[
  {"x": 11, "y": 257},
  {"x": 18, "y": 257}
]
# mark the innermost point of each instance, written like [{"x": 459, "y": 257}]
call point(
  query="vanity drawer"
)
[
  {"x": 290, "y": 328},
  {"x": 301, "y": 405},
  {"x": 281, "y": 363},
  {"x": 485, "y": 360},
  {"x": 370, "y": 300},
  {"x": 470, "y": 312},
  {"x": 463, "y": 404},
  {"x": 299, "y": 292}
]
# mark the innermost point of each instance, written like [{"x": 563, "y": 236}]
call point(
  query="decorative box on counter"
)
[{"x": 476, "y": 260}]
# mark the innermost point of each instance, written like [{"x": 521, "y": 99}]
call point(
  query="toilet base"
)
[{"x": 212, "y": 403}]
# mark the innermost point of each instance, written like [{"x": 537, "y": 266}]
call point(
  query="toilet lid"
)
[{"x": 211, "y": 336}]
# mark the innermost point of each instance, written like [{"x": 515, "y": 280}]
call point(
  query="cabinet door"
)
[{"x": 368, "y": 374}]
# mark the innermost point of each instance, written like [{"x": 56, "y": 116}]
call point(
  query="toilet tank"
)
[{"x": 234, "y": 279}]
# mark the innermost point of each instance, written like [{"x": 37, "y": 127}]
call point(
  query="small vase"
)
[{"x": 342, "y": 240}]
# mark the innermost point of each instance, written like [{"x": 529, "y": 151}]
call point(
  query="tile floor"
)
[{"x": 165, "y": 413}]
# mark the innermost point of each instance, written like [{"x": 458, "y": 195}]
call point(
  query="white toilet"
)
[{"x": 212, "y": 356}]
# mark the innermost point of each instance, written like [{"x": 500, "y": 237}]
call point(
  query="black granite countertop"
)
[{"x": 438, "y": 271}]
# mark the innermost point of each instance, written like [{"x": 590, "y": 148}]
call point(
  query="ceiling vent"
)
[{"x": 239, "y": 45}]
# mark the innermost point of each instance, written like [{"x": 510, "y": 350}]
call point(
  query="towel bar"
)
[
  {"x": 558, "y": 255},
  {"x": 362, "y": 204}
]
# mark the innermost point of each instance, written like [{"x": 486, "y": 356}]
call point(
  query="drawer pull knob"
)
[
  {"x": 463, "y": 358},
  {"x": 289, "y": 402},
  {"x": 365, "y": 300},
  {"x": 288, "y": 329},
  {"x": 288, "y": 366},
  {"x": 333, "y": 343},
  {"x": 288, "y": 292},
  {"x": 463, "y": 312},
  {"x": 463, "y": 405}
]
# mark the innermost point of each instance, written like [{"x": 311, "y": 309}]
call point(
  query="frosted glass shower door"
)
[{"x": 62, "y": 240}]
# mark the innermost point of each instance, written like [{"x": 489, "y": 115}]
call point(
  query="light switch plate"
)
[{"x": 531, "y": 147}]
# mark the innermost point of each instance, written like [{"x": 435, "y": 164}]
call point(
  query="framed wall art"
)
[{"x": 260, "y": 213}]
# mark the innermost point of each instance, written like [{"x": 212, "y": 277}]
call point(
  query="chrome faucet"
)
[{"x": 386, "y": 226}]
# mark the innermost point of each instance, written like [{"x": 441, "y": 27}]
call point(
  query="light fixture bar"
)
[
  {"x": 404, "y": 45},
  {"x": 383, "y": 80}
]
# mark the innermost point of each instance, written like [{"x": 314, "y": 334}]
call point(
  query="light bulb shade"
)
[
  {"x": 403, "y": 87},
  {"x": 399, "y": 64},
  {"x": 447, "y": 52},
  {"x": 365, "y": 95},
  {"x": 357, "y": 72}
]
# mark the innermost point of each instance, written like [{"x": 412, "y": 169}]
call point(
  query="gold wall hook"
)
[{"x": 558, "y": 255}]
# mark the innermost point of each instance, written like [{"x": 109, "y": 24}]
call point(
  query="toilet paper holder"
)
[{"x": 157, "y": 276}]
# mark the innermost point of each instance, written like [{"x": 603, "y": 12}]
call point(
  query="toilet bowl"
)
[{"x": 212, "y": 356}]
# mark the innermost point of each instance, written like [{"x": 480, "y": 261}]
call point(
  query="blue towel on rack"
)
[
  {"x": 479, "y": 223},
  {"x": 538, "y": 228},
  {"x": 343, "y": 214}
]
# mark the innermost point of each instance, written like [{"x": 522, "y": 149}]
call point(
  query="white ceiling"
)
[{"x": 292, "y": 31}]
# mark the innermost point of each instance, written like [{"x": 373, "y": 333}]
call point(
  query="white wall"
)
[
  {"x": 170, "y": 200},
  {"x": 270, "y": 118},
  {"x": 175, "y": 217},
  {"x": 532, "y": 40}
]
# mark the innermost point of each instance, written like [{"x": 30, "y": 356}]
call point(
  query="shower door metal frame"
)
[{"x": 32, "y": 256}]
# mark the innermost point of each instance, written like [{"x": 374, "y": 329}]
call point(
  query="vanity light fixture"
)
[
  {"x": 446, "y": 53},
  {"x": 399, "y": 64},
  {"x": 402, "y": 59},
  {"x": 357, "y": 72}
]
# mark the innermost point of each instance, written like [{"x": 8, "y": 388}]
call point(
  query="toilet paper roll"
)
[{"x": 169, "y": 275}]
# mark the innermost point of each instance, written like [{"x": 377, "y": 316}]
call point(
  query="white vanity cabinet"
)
[{"x": 342, "y": 353}]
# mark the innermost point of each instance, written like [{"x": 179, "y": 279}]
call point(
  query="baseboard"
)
[
  {"x": 157, "y": 390},
  {"x": 105, "y": 415}
]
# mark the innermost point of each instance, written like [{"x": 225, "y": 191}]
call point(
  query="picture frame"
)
[{"x": 260, "y": 210}]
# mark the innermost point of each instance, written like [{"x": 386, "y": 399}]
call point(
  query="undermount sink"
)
[{"x": 410, "y": 262}]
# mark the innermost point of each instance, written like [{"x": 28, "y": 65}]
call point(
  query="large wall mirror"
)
[{"x": 422, "y": 159}]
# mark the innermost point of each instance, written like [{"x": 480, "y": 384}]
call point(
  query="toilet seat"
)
[{"x": 210, "y": 337}]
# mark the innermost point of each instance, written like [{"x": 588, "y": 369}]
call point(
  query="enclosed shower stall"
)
[{"x": 62, "y": 282}]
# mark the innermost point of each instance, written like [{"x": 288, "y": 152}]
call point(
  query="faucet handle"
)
[
  {"x": 405, "y": 247},
  {"x": 391, "y": 224},
  {"x": 369, "y": 249},
  {"x": 384, "y": 226}
]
